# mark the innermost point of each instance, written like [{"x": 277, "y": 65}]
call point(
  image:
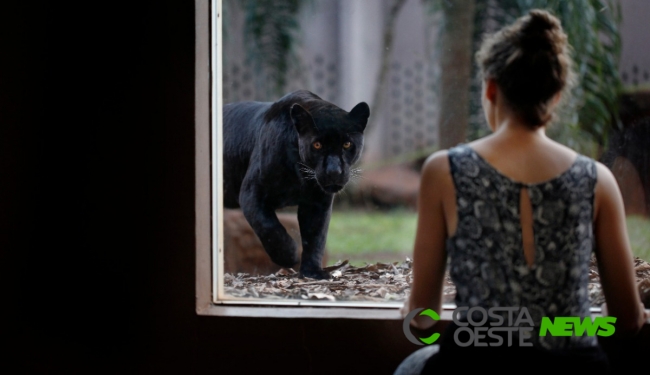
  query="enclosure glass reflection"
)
[{"x": 412, "y": 62}]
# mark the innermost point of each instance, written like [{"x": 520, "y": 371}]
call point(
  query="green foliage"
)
[
  {"x": 271, "y": 32},
  {"x": 593, "y": 30}
]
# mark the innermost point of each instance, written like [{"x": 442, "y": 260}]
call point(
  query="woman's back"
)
[
  {"x": 525, "y": 156},
  {"x": 487, "y": 260}
]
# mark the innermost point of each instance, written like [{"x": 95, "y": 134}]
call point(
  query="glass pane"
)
[{"x": 412, "y": 62}]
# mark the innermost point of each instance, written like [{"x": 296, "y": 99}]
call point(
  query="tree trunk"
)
[{"x": 456, "y": 57}]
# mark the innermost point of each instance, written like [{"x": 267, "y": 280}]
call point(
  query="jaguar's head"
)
[{"x": 330, "y": 142}]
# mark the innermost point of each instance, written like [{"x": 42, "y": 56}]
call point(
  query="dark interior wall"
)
[
  {"x": 97, "y": 208},
  {"x": 80, "y": 145}
]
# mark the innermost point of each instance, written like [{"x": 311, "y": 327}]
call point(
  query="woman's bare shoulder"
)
[
  {"x": 606, "y": 184},
  {"x": 604, "y": 174},
  {"x": 566, "y": 150},
  {"x": 607, "y": 190},
  {"x": 436, "y": 164}
]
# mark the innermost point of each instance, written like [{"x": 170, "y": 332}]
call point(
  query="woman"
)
[{"x": 519, "y": 214}]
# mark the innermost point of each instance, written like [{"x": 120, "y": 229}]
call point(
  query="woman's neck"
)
[
  {"x": 507, "y": 122},
  {"x": 513, "y": 127}
]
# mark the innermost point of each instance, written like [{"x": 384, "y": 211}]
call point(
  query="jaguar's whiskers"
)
[
  {"x": 308, "y": 173},
  {"x": 356, "y": 174}
]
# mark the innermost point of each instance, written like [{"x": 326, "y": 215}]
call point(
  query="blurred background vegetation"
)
[
  {"x": 364, "y": 237},
  {"x": 600, "y": 117}
]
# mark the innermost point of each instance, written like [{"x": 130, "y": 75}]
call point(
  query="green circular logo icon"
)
[{"x": 407, "y": 330}]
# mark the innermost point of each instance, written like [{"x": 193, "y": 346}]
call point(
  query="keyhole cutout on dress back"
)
[{"x": 527, "y": 235}]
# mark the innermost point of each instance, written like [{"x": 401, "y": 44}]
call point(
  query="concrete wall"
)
[{"x": 635, "y": 54}]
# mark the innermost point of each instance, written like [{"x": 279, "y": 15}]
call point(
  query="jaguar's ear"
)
[
  {"x": 302, "y": 120},
  {"x": 360, "y": 114}
]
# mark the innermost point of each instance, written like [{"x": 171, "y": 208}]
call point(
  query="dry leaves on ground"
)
[{"x": 379, "y": 282}]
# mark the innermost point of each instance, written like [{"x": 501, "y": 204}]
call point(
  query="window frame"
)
[
  {"x": 208, "y": 204},
  {"x": 209, "y": 207}
]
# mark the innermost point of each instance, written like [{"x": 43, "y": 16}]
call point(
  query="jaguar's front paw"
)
[
  {"x": 278, "y": 244},
  {"x": 287, "y": 259},
  {"x": 314, "y": 273},
  {"x": 286, "y": 255}
]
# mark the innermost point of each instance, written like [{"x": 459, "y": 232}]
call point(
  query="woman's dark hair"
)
[{"x": 530, "y": 62}]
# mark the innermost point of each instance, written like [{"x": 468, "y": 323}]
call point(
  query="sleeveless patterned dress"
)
[{"x": 486, "y": 258}]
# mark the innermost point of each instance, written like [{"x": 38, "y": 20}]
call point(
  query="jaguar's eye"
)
[
  {"x": 317, "y": 145},
  {"x": 347, "y": 145}
]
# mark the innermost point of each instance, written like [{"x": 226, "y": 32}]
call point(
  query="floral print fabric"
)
[{"x": 487, "y": 262}]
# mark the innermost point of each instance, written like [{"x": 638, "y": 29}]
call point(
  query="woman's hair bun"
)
[
  {"x": 540, "y": 21},
  {"x": 540, "y": 28},
  {"x": 530, "y": 61}
]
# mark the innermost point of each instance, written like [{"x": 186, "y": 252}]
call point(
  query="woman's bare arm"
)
[
  {"x": 615, "y": 260},
  {"x": 429, "y": 253}
]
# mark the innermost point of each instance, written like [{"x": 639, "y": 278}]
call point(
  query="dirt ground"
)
[{"x": 377, "y": 282}]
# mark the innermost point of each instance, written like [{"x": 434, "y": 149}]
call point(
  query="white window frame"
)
[{"x": 210, "y": 299}]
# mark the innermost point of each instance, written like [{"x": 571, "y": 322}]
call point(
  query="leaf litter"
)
[{"x": 379, "y": 282}]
